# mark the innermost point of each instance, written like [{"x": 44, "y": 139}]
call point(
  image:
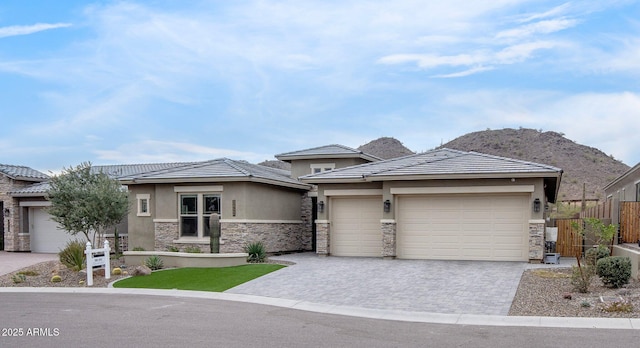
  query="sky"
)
[{"x": 120, "y": 82}]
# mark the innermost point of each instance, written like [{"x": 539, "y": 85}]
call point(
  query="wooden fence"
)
[
  {"x": 630, "y": 222},
  {"x": 600, "y": 211},
  {"x": 569, "y": 241}
]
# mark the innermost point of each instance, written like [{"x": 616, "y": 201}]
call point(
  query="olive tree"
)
[{"x": 87, "y": 201}]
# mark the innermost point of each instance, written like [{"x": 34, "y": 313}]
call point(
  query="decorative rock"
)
[
  {"x": 141, "y": 271},
  {"x": 567, "y": 295}
]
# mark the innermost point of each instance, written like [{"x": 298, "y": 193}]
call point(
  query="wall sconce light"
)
[
  {"x": 536, "y": 205},
  {"x": 6, "y": 211},
  {"x": 387, "y": 206},
  {"x": 321, "y": 207}
]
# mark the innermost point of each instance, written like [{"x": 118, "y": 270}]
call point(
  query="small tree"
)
[
  {"x": 88, "y": 202},
  {"x": 582, "y": 274}
]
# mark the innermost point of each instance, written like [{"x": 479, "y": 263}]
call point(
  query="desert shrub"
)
[
  {"x": 581, "y": 278},
  {"x": 116, "y": 271},
  {"x": 73, "y": 255},
  {"x": 615, "y": 271},
  {"x": 29, "y": 273},
  {"x": 154, "y": 262},
  {"x": 138, "y": 249},
  {"x": 18, "y": 278},
  {"x": 618, "y": 307},
  {"x": 256, "y": 251},
  {"x": 56, "y": 279},
  {"x": 192, "y": 249},
  {"x": 173, "y": 248},
  {"x": 592, "y": 255}
]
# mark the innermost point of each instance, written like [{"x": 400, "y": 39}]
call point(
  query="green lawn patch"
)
[{"x": 201, "y": 279}]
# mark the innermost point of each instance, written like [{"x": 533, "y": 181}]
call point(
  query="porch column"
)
[
  {"x": 536, "y": 240},
  {"x": 388, "y": 239},
  {"x": 322, "y": 237}
]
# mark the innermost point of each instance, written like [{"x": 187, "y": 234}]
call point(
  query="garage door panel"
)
[
  {"x": 463, "y": 227},
  {"x": 355, "y": 226},
  {"x": 45, "y": 235}
]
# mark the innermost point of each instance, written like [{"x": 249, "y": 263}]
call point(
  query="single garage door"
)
[
  {"x": 355, "y": 226},
  {"x": 463, "y": 227},
  {"x": 45, "y": 235}
]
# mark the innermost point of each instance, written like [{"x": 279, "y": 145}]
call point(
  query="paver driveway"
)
[
  {"x": 13, "y": 261},
  {"x": 460, "y": 287}
]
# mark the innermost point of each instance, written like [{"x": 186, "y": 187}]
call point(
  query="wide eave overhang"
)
[
  {"x": 205, "y": 180},
  {"x": 551, "y": 179}
]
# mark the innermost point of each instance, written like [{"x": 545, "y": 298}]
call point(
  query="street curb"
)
[{"x": 384, "y": 314}]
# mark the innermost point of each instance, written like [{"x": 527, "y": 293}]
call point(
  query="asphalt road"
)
[{"x": 116, "y": 320}]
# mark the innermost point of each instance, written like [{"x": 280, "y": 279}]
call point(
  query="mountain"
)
[
  {"x": 580, "y": 163},
  {"x": 385, "y": 148}
]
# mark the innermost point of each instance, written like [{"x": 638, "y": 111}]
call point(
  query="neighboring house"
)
[
  {"x": 619, "y": 192},
  {"x": 441, "y": 204},
  {"x": 14, "y": 178},
  {"x": 32, "y": 228}
]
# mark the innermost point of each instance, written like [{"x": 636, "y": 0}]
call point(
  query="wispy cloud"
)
[
  {"x": 170, "y": 151},
  {"x": 542, "y": 27},
  {"x": 16, "y": 30}
]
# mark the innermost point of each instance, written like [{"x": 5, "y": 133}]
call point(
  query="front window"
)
[
  {"x": 195, "y": 213},
  {"x": 143, "y": 204},
  {"x": 638, "y": 192},
  {"x": 322, "y": 167}
]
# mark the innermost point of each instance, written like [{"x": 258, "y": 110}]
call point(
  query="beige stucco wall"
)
[
  {"x": 253, "y": 201},
  {"x": 623, "y": 191},
  {"x": 303, "y": 167},
  {"x": 141, "y": 227},
  {"x": 388, "y": 185}
]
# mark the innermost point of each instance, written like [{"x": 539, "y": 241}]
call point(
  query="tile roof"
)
[
  {"x": 22, "y": 173},
  {"x": 223, "y": 169},
  {"x": 441, "y": 162},
  {"x": 327, "y": 151},
  {"x": 124, "y": 170},
  {"x": 114, "y": 171}
]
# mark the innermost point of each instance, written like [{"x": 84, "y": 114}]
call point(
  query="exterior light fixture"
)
[
  {"x": 387, "y": 206},
  {"x": 321, "y": 206},
  {"x": 6, "y": 211},
  {"x": 536, "y": 205}
]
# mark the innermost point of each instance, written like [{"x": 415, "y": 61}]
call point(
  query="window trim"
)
[
  {"x": 140, "y": 198},
  {"x": 200, "y": 213},
  {"x": 323, "y": 167}
]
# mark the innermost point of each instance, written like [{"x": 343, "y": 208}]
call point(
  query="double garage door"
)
[{"x": 441, "y": 227}]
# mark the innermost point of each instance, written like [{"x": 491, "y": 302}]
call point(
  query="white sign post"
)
[{"x": 97, "y": 262}]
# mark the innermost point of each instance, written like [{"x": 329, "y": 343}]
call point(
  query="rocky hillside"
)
[
  {"x": 580, "y": 163},
  {"x": 385, "y": 148}
]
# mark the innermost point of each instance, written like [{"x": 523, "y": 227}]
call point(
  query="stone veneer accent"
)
[
  {"x": 234, "y": 236},
  {"x": 322, "y": 237},
  {"x": 536, "y": 240},
  {"x": 13, "y": 239},
  {"x": 166, "y": 233},
  {"x": 276, "y": 236},
  {"x": 306, "y": 215},
  {"x": 388, "y": 239}
]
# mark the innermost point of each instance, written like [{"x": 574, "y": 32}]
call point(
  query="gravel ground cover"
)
[{"x": 548, "y": 292}]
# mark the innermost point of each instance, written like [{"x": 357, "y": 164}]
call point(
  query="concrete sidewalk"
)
[{"x": 13, "y": 261}]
